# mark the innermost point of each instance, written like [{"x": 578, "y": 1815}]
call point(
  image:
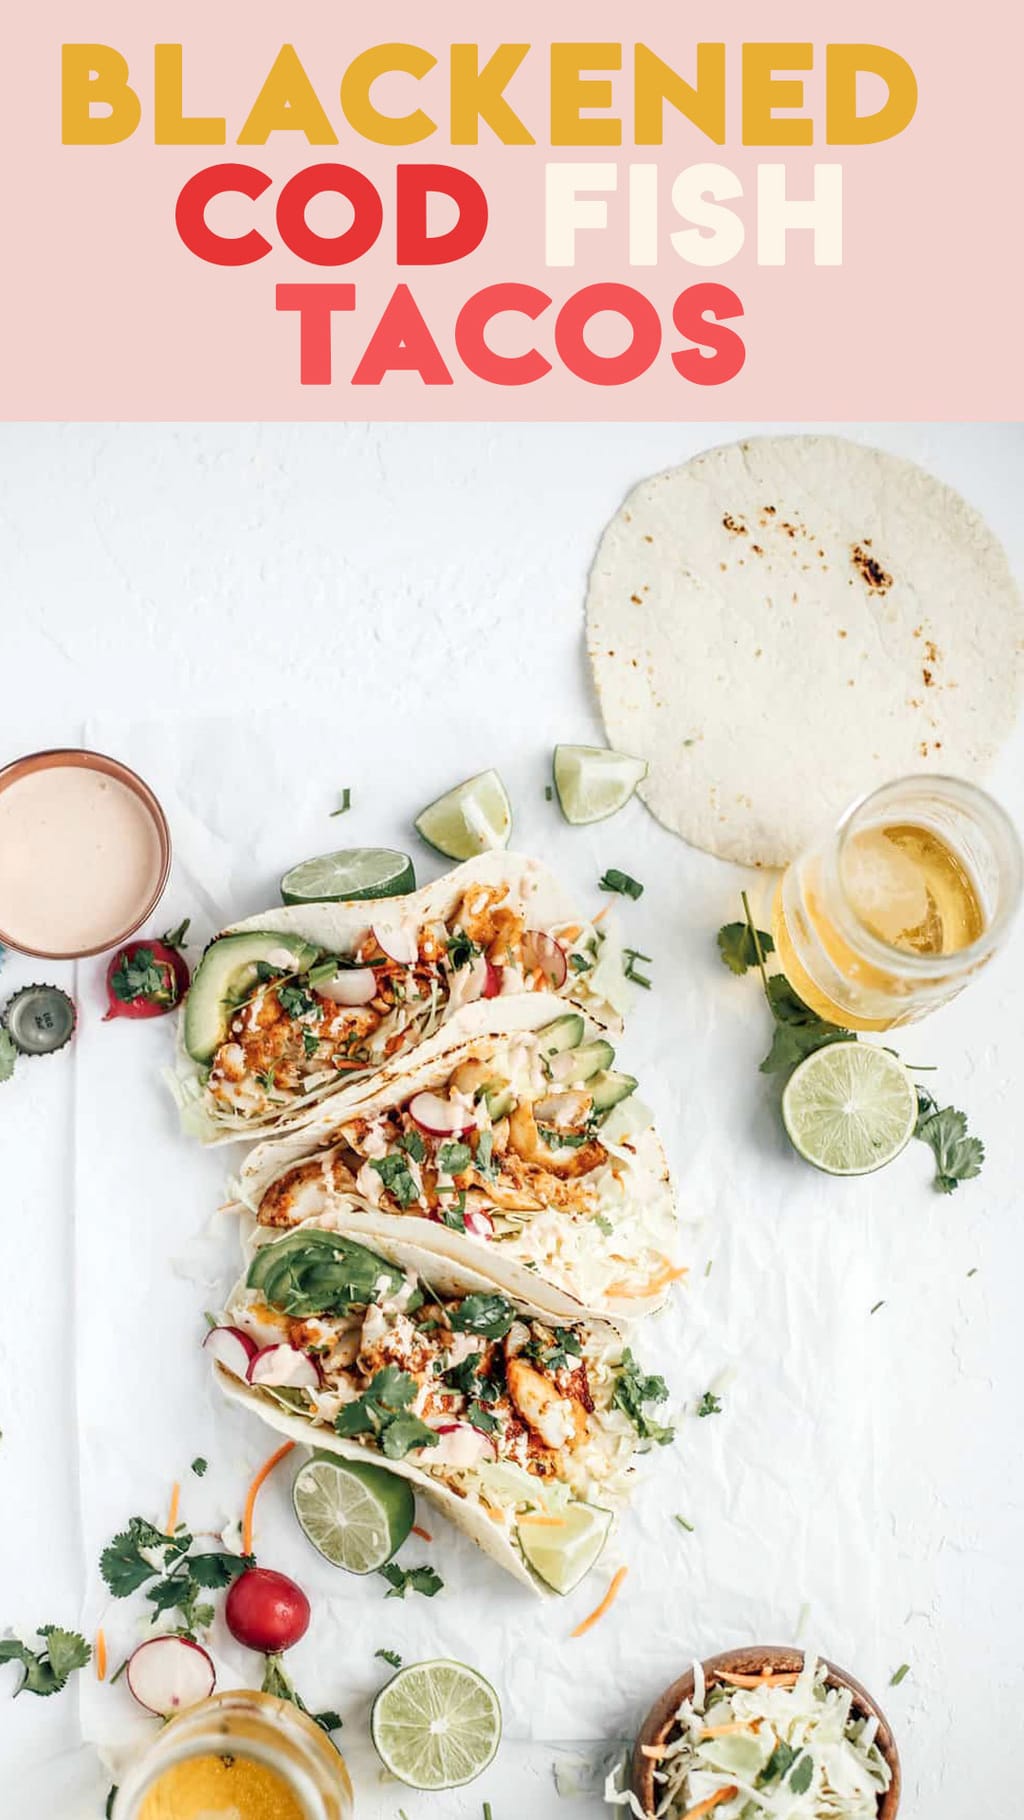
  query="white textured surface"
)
[{"x": 415, "y": 597}]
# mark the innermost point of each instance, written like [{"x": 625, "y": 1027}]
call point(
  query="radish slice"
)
[
  {"x": 166, "y": 1674},
  {"x": 441, "y": 1118},
  {"x": 479, "y": 1223},
  {"x": 460, "y": 1446},
  {"x": 493, "y": 985},
  {"x": 540, "y": 950},
  {"x": 350, "y": 986},
  {"x": 286, "y": 1367},
  {"x": 231, "y": 1348},
  {"x": 397, "y": 943}
]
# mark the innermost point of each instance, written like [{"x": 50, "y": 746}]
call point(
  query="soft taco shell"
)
[
  {"x": 492, "y": 1022},
  {"x": 446, "y": 1279},
  {"x": 787, "y": 622}
]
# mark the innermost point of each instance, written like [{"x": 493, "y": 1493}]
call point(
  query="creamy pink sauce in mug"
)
[{"x": 80, "y": 859}]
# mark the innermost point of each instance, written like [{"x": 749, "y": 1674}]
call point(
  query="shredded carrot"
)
[
  {"x": 670, "y": 1274},
  {"x": 172, "y": 1512},
  {"x": 704, "y": 1807},
  {"x": 101, "y": 1655},
  {"x": 571, "y": 935},
  {"x": 536, "y": 1516},
  {"x": 250, "y": 1502},
  {"x": 606, "y": 1603},
  {"x": 596, "y": 919},
  {"x": 765, "y": 1679},
  {"x": 424, "y": 1534}
]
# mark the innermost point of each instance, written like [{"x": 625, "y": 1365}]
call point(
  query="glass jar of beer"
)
[
  {"x": 242, "y": 1755},
  {"x": 900, "y": 905}
]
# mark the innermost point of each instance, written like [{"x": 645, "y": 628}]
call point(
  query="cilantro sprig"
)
[
  {"x": 47, "y": 1670},
  {"x": 958, "y": 1156},
  {"x": 176, "y": 1579},
  {"x": 632, "y": 1390},
  {"x": 410, "y": 1579}
]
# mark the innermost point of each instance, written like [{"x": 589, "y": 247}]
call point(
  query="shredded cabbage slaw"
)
[{"x": 768, "y": 1752}]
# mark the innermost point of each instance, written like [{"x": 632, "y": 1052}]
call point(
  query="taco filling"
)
[
  {"x": 275, "y": 1021},
  {"x": 473, "y": 1390},
  {"x": 531, "y": 1145}
]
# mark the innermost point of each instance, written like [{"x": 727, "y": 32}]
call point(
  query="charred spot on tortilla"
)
[
  {"x": 876, "y": 579},
  {"x": 735, "y": 525}
]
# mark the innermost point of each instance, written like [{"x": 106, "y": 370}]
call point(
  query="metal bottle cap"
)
[{"x": 39, "y": 1019}]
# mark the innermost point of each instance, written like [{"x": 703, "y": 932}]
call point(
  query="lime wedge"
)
[
  {"x": 592, "y": 782},
  {"x": 849, "y": 1108},
  {"x": 356, "y": 1516},
  {"x": 337, "y": 878},
  {"x": 475, "y": 817},
  {"x": 436, "y": 1724},
  {"x": 562, "y": 1549}
]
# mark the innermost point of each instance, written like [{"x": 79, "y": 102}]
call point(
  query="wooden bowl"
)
[{"x": 660, "y": 1719}]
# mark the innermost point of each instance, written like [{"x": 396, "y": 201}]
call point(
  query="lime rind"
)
[
  {"x": 593, "y": 782},
  {"x": 474, "y": 817},
  {"x": 436, "y": 1725},
  {"x": 562, "y": 1556},
  {"x": 849, "y": 1108},
  {"x": 349, "y": 875},
  {"x": 356, "y": 1516}
]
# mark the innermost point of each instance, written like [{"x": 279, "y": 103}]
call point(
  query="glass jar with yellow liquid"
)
[
  {"x": 238, "y": 1756},
  {"x": 900, "y": 905}
]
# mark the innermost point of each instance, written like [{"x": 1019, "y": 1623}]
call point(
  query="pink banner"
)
[{"x": 805, "y": 217}]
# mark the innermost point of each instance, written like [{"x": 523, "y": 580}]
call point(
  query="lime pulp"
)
[
  {"x": 849, "y": 1108},
  {"x": 593, "y": 782},
  {"x": 355, "y": 1515},
  {"x": 562, "y": 1549},
  {"x": 475, "y": 817},
  {"x": 344, "y": 877},
  {"x": 436, "y": 1725}
]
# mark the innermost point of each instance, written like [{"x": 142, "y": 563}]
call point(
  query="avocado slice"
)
[
  {"x": 607, "y": 1089},
  {"x": 316, "y": 1272},
  {"x": 574, "y": 1066},
  {"x": 227, "y": 973},
  {"x": 565, "y": 1032}
]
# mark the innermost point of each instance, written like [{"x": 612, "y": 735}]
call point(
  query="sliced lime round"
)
[
  {"x": 355, "y": 1515},
  {"x": 849, "y": 1108},
  {"x": 592, "y": 782},
  {"x": 475, "y": 817},
  {"x": 562, "y": 1549},
  {"x": 355, "y": 872},
  {"x": 436, "y": 1725}
]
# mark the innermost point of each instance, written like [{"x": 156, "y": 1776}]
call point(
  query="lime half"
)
[
  {"x": 562, "y": 1549},
  {"x": 592, "y": 782},
  {"x": 475, "y": 817},
  {"x": 356, "y": 1516},
  {"x": 436, "y": 1724},
  {"x": 849, "y": 1108},
  {"x": 355, "y": 872}
]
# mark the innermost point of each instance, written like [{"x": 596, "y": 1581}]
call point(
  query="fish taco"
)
[
  {"x": 519, "y": 1149},
  {"x": 299, "y": 1003},
  {"x": 522, "y": 1430}
]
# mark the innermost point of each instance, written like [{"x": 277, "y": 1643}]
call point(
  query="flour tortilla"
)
[
  {"x": 476, "y": 1033},
  {"x": 446, "y": 1278},
  {"x": 788, "y": 622}
]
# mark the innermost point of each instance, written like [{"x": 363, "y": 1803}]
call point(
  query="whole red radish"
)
[
  {"x": 266, "y": 1611},
  {"x": 146, "y": 977}
]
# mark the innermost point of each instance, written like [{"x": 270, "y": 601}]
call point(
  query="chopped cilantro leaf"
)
[
  {"x": 47, "y": 1670},
  {"x": 614, "y": 880},
  {"x": 453, "y": 1159},
  {"x": 461, "y": 950},
  {"x": 802, "y": 1774},
  {"x": 580, "y": 963},
  {"x": 382, "y": 1411},
  {"x": 345, "y": 803},
  {"x": 900, "y": 1674},
  {"x": 490, "y": 1315},
  {"x": 709, "y": 1405},
  {"x": 390, "y": 1656},
  {"x": 394, "y": 1173}
]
